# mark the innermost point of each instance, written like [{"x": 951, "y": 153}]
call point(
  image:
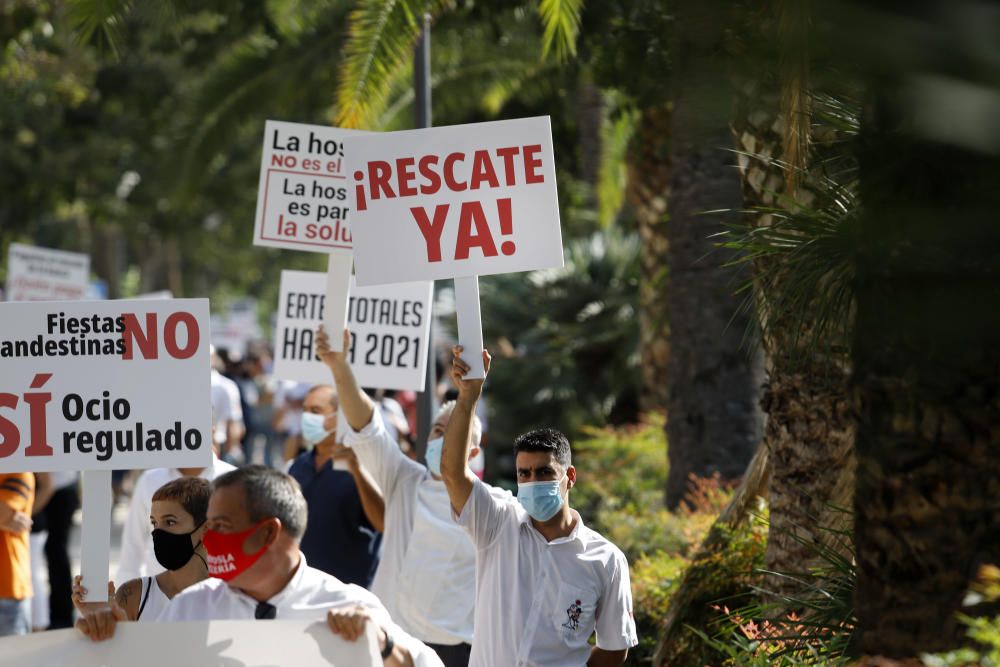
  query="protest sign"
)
[
  {"x": 461, "y": 200},
  {"x": 302, "y": 200},
  {"x": 42, "y": 274},
  {"x": 235, "y": 643},
  {"x": 99, "y": 385},
  {"x": 389, "y": 327}
]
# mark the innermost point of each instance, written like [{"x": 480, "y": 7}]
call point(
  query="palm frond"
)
[
  {"x": 561, "y": 19},
  {"x": 617, "y": 130},
  {"x": 102, "y": 21},
  {"x": 380, "y": 39}
]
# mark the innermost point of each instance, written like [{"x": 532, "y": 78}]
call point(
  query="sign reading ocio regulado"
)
[
  {"x": 389, "y": 326},
  {"x": 100, "y": 385}
]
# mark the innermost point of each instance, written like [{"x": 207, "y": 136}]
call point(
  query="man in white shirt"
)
[
  {"x": 426, "y": 578},
  {"x": 544, "y": 581},
  {"x": 256, "y": 517},
  {"x": 137, "y": 558}
]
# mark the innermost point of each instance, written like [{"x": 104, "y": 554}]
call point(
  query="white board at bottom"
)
[{"x": 205, "y": 644}]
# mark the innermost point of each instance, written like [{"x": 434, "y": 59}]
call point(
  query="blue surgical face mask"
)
[
  {"x": 541, "y": 500},
  {"x": 433, "y": 455},
  {"x": 313, "y": 429}
]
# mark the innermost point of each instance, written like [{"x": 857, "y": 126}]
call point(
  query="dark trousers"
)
[
  {"x": 59, "y": 516},
  {"x": 453, "y": 656}
]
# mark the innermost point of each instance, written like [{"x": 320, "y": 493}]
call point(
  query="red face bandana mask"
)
[{"x": 226, "y": 558}]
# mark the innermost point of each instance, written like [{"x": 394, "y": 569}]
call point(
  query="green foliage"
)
[
  {"x": 718, "y": 576},
  {"x": 561, "y": 19},
  {"x": 617, "y": 129},
  {"x": 815, "y": 627},
  {"x": 655, "y": 578},
  {"x": 983, "y": 630},
  {"x": 381, "y": 36},
  {"x": 803, "y": 248},
  {"x": 565, "y": 340}
]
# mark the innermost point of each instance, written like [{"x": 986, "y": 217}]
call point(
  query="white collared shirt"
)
[
  {"x": 308, "y": 596},
  {"x": 137, "y": 558},
  {"x": 538, "y": 602},
  {"x": 427, "y": 574}
]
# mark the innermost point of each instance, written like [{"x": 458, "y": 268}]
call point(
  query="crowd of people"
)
[{"x": 352, "y": 528}]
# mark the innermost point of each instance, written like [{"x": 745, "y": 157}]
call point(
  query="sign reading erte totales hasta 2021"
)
[
  {"x": 100, "y": 385},
  {"x": 461, "y": 200}
]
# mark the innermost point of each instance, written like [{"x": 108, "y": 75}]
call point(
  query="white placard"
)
[
  {"x": 100, "y": 385},
  {"x": 389, "y": 325},
  {"x": 454, "y": 201},
  {"x": 302, "y": 200},
  {"x": 195, "y": 643},
  {"x": 43, "y": 274}
]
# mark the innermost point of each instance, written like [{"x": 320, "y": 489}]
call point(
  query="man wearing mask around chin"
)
[
  {"x": 178, "y": 519},
  {"x": 427, "y": 575},
  {"x": 545, "y": 582},
  {"x": 340, "y": 538},
  {"x": 256, "y": 517}
]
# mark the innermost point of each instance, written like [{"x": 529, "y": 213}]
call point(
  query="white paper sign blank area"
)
[
  {"x": 461, "y": 200},
  {"x": 231, "y": 643},
  {"x": 389, "y": 324},
  {"x": 302, "y": 199},
  {"x": 100, "y": 385}
]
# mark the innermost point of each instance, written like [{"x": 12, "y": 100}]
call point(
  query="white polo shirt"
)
[
  {"x": 308, "y": 596},
  {"x": 427, "y": 574},
  {"x": 137, "y": 558},
  {"x": 538, "y": 602}
]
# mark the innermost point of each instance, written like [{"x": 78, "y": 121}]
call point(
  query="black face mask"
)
[{"x": 173, "y": 551}]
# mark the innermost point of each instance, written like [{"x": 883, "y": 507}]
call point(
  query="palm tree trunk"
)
[
  {"x": 647, "y": 193},
  {"x": 713, "y": 418},
  {"x": 810, "y": 421},
  {"x": 927, "y": 369}
]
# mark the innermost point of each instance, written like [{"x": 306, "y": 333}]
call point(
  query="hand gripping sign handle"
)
[
  {"x": 96, "y": 534},
  {"x": 338, "y": 292},
  {"x": 470, "y": 325}
]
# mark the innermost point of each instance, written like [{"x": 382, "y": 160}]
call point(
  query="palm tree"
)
[
  {"x": 926, "y": 345},
  {"x": 800, "y": 192}
]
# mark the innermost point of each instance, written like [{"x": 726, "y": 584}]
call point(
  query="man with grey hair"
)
[
  {"x": 256, "y": 517},
  {"x": 426, "y": 578}
]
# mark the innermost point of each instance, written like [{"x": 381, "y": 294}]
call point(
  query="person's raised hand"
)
[
  {"x": 349, "y": 624},
  {"x": 99, "y": 623},
  {"x": 19, "y": 522},
  {"x": 324, "y": 351},
  {"x": 79, "y": 593},
  {"x": 472, "y": 387}
]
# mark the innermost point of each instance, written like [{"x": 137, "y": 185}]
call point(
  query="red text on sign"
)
[{"x": 458, "y": 172}]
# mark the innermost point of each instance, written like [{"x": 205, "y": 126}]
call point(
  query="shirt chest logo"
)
[{"x": 573, "y": 616}]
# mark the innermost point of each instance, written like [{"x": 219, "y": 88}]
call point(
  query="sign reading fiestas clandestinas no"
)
[
  {"x": 455, "y": 201},
  {"x": 389, "y": 327},
  {"x": 98, "y": 385},
  {"x": 302, "y": 198},
  {"x": 42, "y": 274}
]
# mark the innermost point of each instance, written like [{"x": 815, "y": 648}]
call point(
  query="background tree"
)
[{"x": 926, "y": 347}]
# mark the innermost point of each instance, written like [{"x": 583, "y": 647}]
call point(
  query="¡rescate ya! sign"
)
[
  {"x": 455, "y": 201},
  {"x": 99, "y": 385}
]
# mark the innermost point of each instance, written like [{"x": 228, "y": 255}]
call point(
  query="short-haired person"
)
[
  {"x": 427, "y": 576},
  {"x": 545, "y": 582},
  {"x": 339, "y": 539},
  {"x": 178, "y": 518},
  {"x": 256, "y": 517},
  {"x": 137, "y": 559}
]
